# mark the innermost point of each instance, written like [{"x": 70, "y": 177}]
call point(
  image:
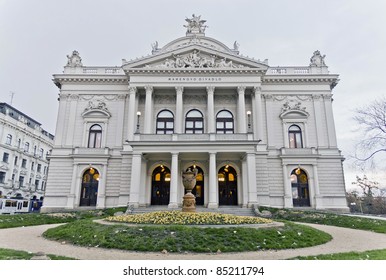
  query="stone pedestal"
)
[{"x": 189, "y": 203}]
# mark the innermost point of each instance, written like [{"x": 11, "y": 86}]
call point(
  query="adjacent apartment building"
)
[
  {"x": 23, "y": 150},
  {"x": 258, "y": 134}
]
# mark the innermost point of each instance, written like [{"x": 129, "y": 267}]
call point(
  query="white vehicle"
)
[{"x": 12, "y": 205}]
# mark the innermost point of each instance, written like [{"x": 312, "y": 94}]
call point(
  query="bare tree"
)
[
  {"x": 366, "y": 185},
  {"x": 372, "y": 121}
]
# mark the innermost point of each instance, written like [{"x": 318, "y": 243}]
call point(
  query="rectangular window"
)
[
  {"x": 32, "y": 165},
  {"x": 36, "y": 185},
  {"x": 21, "y": 181},
  {"x": 2, "y": 177},
  {"x": 39, "y": 168},
  {"x": 41, "y": 152},
  {"x": 5, "y": 157},
  {"x": 15, "y": 162},
  {"x": 24, "y": 163}
]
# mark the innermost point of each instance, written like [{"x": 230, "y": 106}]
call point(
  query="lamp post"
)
[
  {"x": 138, "y": 116},
  {"x": 249, "y": 121}
]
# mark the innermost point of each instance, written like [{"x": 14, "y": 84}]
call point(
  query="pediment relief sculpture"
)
[
  {"x": 293, "y": 108},
  {"x": 97, "y": 106},
  {"x": 196, "y": 60}
]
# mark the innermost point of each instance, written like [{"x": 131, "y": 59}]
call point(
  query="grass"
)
[
  {"x": 314, "y": 217},
  {"x": 33, "y": 219},
  {"x": 187, "y": 238},
  {"x": 367, "y": 255},
  {"x": 8, "y": 254}
]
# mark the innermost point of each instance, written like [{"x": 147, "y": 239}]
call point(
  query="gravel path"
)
[{"x": 344, "y": 240}]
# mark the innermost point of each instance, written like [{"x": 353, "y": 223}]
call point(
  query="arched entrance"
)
[
  {"x": 227, "y": 185},
  {"x": 300, "y": 189},
  {"x": 89, "y": 190},
  {"x": 198, "y": 190},
  {"x": 160, "y": 186}
]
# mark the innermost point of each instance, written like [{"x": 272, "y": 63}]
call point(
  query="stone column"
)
[
  {"x": 252, "y": 188},
  {"x": 148, "y": 110},
  {"x": 258, "y": 114},
  {"x": 287, "y": 188},
  {"x": 72, "y": 196},
  {"x": 132, "y": 114},
  {"x": 213, "y": 184},
  {"x": 242, "y": 127},
  {"x": 244, "y": 176},
  {"x": 330, "y": 121},
  {"x": 318, "y": 198},
  {"x": 135, "y": 182},
  {"x": 211, "y": 118},
  {"x": 179, "y": 110},
  {"x": 101, "y": 201},
  {"x": 174, "y": 178}
]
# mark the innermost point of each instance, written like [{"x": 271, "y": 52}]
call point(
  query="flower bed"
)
[{"x": 184, "y": 218}]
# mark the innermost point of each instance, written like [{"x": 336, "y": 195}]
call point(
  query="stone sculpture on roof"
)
[
  {"x": 195, "y": 25},
  {"x": 74, "y": 60}
]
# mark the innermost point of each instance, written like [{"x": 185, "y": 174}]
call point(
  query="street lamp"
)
[
  {"x": 138, "y": 116},
  {"x": 249, "y": 121}
]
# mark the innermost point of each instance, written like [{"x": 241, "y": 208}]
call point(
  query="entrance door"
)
[
  {"x": 160, "y": 186},
  {"x": 198, "y": 189},
  {"x": 89, "y": 190},
  {"x": 227, "y": 186},
  {"x": 300, "y": 190}
]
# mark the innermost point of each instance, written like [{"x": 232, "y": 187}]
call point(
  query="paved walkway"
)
[{"x": 344, "y": 240}]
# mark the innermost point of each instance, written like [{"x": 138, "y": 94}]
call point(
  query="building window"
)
[
  {"x": 24, "y": 163},
  {"x": 194, "y": 122},
  {"x": 32, "y": 165},
  {"x": 8, "y": 141},
  {"x": 36, "y": 185},
  {"x": 2, "y": 177},
  {"x": 45, "y": 170},
  {"x": 95, "y": 136},
  {"x": 35, "y": 148},
  {"x": 21, "y": 181},
  {"x": 19, "y": 143},
  {"x": 15, "y": 162},
  {"x": 39, "y": 168},
  {"x": 224, "y": 122},
  {"x": 295, "y": 137},
  {"x": 165, "y": 122},
  {"x": 5, "y": 157},
  {"x": 41, "y": 153},
  {"x": 43, "y": 186},
  {"x": 26, "y": 147}
]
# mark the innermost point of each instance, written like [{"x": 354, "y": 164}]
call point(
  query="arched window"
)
[
  {"x": 165, "y": 122},
  {"x": 8, "y": 141},
  {"x": 95, "y": 136},
  {"x": 194, "y": 122},
  {"x": 295, "y": 137},
  {"x": 224, "y": 122}
]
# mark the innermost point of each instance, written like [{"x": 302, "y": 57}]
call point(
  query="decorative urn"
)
[{"x": 189, "y": 182}]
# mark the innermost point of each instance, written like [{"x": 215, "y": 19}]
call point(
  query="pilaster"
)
[
  {"x": 211, "y": 118},
  {"x": 242, "y": 127},
  {"x": 148, "y": 109},
  {"x": 173, "y": 201},
  {"x": 132, "y": 113},
  {"x": 179, "y": 109},
  {"x": 213, "y": 185}
]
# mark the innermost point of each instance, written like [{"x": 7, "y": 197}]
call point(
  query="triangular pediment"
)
[{"x": 195, "y": 56}]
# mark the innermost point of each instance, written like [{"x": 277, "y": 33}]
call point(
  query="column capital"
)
[
  {"x": 257, "y": 89},
  {"x": 210, "y": 89},
  {"x": 132, "y": 90},
  {"x": 179, "y": 89},
  {"x": 174, "y": 153},
  {"x": 241, "y": 89},
  {"x": 148, "y": 89},
  {"x": 212, "y": 153}
]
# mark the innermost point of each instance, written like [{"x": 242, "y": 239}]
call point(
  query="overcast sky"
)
[{"x": 36, "y": 36}]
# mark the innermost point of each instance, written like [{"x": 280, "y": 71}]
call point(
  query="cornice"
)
[
  {"x": 225, "y": 71},
  {"x": 59, "y": 80}
]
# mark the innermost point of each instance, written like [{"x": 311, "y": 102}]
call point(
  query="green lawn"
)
[
  {"x": 187, "y": 238},
  {"x": 368, "y": 255},
  {"x": 8, "y": 254}
]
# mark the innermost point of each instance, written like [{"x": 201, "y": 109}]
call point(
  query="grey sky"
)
[{"x": 36, "y": 36}]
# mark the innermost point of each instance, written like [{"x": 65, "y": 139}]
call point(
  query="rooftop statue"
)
[
  {"x": 317, "y": 59},
  {"x": 74, "y": 60},
  {"x": 195, "y": 25}
]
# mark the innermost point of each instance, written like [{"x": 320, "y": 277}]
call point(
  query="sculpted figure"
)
[{"x": 74, "y": 59}]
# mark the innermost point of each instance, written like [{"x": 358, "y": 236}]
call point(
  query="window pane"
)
[
  {"x": 189, "y": 124},
  {"x": 298, "y": 140},
  {"x": 229, "y": 125},
  {"x": 220, "y": 125},
  {"x": 160, "y": 125},
  {"x": 98, "y": 140},
  {"x": 194, "y": 114},
  {"x": 199, "y": 124},
  {"x": 169, "y": 132},
  {"x": 91, "y": 140},
  {"x": 291, "y": 140},
  {"x": 165, "y": 114},
  {"x": 169, "y": 125},
  {"x": 224, "y": 114},
  {"x": 189, "y": 131}
]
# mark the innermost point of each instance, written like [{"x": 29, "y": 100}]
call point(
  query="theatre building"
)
[{"x": 258, "y": 135}]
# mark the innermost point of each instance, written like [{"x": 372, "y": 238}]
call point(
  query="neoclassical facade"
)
[
  {"x": 258, "y": 135},
  {"x": 23, "y": 149}
]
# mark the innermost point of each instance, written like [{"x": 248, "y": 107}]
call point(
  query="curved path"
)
[{"x": 344, "y": 240}]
